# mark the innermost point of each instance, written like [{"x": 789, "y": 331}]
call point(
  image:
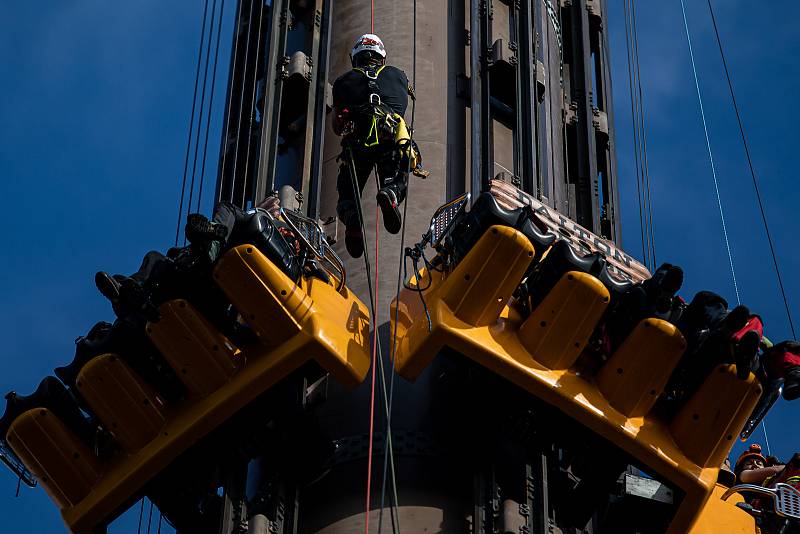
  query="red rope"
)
[
  {"x": 374, "y": 362},
  {"x": 374, "y": 337}
]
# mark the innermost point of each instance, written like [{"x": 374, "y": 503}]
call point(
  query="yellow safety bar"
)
[{"x": 469, "y": 312}]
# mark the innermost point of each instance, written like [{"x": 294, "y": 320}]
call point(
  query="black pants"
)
[
  {"x": 231, "y": 216},
  {"x": 391, "y": 166},
  {"x": 154, "y": 266}
]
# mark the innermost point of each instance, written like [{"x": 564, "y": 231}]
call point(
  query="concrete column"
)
[{"x": 336, "y": 503}]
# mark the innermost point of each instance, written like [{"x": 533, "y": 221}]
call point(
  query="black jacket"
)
[{"x": 352, "y": 90}]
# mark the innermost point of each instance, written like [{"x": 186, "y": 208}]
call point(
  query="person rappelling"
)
[{"x": 369, "y": 103}]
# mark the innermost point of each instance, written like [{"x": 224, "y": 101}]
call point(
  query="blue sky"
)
[
  {"x": 760, "y": 48},
  {"x": 96, "y": 98}
]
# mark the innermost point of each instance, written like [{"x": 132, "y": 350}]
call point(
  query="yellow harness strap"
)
[{"x": 372, "y": 137}]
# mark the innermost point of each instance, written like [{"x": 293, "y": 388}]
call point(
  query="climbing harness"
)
[{"x": 387, "y": 126}]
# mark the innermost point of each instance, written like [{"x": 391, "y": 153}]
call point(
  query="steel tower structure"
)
[{"x": 514, "y": 88}]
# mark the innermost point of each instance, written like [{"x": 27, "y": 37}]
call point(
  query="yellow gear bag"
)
[{"x": 408, "y": 148}]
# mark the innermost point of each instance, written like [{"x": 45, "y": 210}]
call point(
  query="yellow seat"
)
[
  {"x": 64, "y": 464},
  {"x": 538, "y": 354},
  {"x": 202, "y": 357},
  {"x": 637, "y": 372},
  {"x": 559, "y": 328},
  {"x": 712, "y": 418},
  {"x": 720, "y": 516},
  {"x": 296, "y": 323},
  {"x": 266, "y": 298},
  {"x": 477, "y": 291},
  {"x": 127, "y": 406}
]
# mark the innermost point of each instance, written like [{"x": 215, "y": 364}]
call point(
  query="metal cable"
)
[
  {"x": 766, "y": 436},
  {"x": 241, "y": 98},
  {"x": 374, "y": 365},
  {"x": 643, "y": 138},
  {"x": 141, "y": 513},
  {"x": 710, "y": 154},
  {"x": 393, "y": 349},
  {"x": 377, "y": 347},
  {"x": 150, "y": 517},
  {"x": 202, "y": 108},
  {"x": 191, "y": 123},
  {"x": 645, "y": 248},
  {"x": 746, "y": 146},
  {"x": 210, "y": 105},
  {"x": 251, "y": 117},
  {"x": 642, "y": 167},
  {"x": 229, "y": 97},
  {"x": 564, "y": 137}
]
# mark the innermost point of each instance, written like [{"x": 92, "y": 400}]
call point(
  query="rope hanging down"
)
[
  {"x": 377, "y": 353},
  {"x": 374, "y": 358},
  {"x": 746, "y": 146},
  {"x": 401, "y": 263},
  {"x": 710, "y": 154}
]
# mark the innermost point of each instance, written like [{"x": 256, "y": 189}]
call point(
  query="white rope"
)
[
  {"x": 716, "y": 187},
  {"x": 766, "y": 437},
  {"x": 710, "y": 155}
]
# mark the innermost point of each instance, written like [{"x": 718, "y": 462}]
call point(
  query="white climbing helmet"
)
[{"x": 368, "y": 42}]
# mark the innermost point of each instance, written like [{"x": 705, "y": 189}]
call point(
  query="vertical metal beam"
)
[
  {"x": 479, "y": 508},
  {"x": 234, "y": 511},
  {"x": 613, "y": 185},
  {"x": 475, "y": 54},
  {"x": 526, "y": 95},
  {"x": 485, "y": 108},
  {"x": 248, "y": 54},
  {"x": 225, "y": 180},
  {"x": 481, "y": 111},
  {"x": 311, "y": 191},
  {"x": 273, "y": 93},
  {"x": 585, "y": 175},
  {"x": 251, "y": 94},
  {"x": 313, "y": 88},
  {"x": 541, "y": 497}
]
